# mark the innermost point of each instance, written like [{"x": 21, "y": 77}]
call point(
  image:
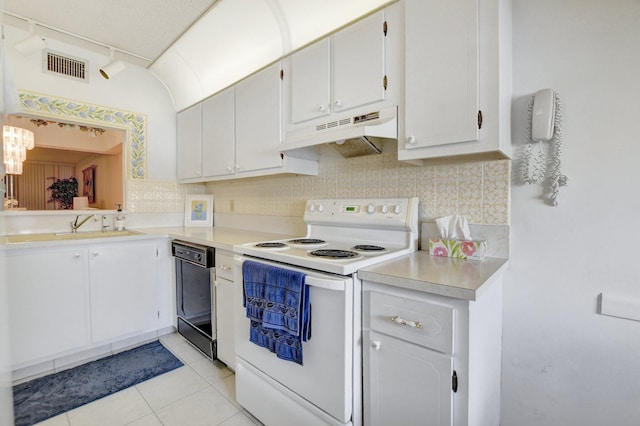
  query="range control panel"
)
[{"x": 369, "y": 212}]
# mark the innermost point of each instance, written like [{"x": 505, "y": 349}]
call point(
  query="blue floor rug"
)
[{"x": 48, "y": 396}]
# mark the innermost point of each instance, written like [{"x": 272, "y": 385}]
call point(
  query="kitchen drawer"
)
[
  {"x": 224, "y": 265},
  {"x": 417, "y": 321}
]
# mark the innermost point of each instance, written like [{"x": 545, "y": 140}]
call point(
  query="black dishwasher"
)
[{"x": 195, "y": 300}]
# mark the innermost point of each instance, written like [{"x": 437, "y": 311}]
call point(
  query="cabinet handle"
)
[
  {"x": 225, "y": 267},
  {"x": 411, "y": 139},
  {"x": 196, "y": 172},
  {"x": 229, "y": 169},
  {"x": 375, "y": 344},
  {"x": 95, "y": 253},
  {"x": 402, "y": 321},
  {"x": 322, "y": 108},
  {"x": 76, "y": 255},
  {"x": 338, "y": 103}
]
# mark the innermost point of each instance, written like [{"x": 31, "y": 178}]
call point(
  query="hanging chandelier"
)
[{"x": 15, "y": 143}]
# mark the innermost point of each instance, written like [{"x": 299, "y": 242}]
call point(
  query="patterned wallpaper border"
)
[{"x": 134, "y": 124}]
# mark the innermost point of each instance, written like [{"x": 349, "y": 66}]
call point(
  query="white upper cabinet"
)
[
  {"x": 441, "y": 73},
  {"x": 241, "y": 133},
  {"x": 339, "y": 73},
  {"x": 456, "y": 103},
  {"x": 258, "y": 121},
  {"x": 310, "y": 79},
  {"x": 190, "y": 143},
  {"x": 352, "y": 72},
  {"x": 218, "y": 134},
  {"x": 359, "y": 64}
]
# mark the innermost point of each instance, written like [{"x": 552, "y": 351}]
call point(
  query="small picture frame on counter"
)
[{"x": 198, "y": 210}]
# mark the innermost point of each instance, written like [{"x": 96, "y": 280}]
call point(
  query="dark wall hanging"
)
[{"x": 88, "y": 180}]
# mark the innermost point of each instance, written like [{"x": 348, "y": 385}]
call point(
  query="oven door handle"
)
[
  {"x": 327, "y": 284},
  {"x": 324, "y": 283}
]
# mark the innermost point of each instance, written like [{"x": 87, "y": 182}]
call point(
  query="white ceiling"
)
[
  {"x": 143, "y": 27},
  {"x": 195, "y": 47}
]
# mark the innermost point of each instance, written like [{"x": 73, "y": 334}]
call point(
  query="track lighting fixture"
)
[{"x": 113, "y": 67}]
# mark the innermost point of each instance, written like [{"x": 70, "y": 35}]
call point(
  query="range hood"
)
[{"x": 350, "y": 135}]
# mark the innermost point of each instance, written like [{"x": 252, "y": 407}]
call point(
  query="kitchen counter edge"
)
[
  {"x": 456, "y": 278},
  {"x": 216, "y": 237}
]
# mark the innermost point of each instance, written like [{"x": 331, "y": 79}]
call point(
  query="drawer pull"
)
[
  {"x": 225, "y": 267},
  {"x": 402, "y": 321},
  {"x": 375, "y": 344}
]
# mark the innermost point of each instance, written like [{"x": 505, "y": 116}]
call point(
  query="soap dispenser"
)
[{"x": 118, "y": 220}]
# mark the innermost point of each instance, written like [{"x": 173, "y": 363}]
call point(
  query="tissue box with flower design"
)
[{"x": 460, "y": 249}]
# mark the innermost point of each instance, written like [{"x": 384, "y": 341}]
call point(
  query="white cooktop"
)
[{"x": 390, "y": 223}]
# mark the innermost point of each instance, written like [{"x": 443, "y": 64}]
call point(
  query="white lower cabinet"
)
[
  {"x": 406, "y": 383},
  {"x": 124, "y": 295},
  {"x": 224, "y": 308},
  {"x": 431, "y": 360},
  {"x": 48, "y": 302},
  {"x": 68, "y": 298}
]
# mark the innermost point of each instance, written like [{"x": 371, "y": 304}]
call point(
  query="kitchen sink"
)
[{"x": 53, "y": 236}]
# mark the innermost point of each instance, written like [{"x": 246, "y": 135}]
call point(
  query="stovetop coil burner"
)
[
  {"x": 270, "y": 245},
  {"x": 368, "y": 247},
  {"x": 334, "y": 254},
  {"x": 307, "y": 241}
]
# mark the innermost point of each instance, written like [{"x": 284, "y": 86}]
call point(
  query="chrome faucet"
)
[{"x": 75, "y": 225}]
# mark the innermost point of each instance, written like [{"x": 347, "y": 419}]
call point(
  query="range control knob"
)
[
  {"x": 397, "y": 209},
  {"x": 320, "y": 208},
  {"x": 371, "y": 208},
  {"x": 312, "y": 208},
  {"x": 384, "y": 209},
  {"x": 198, "y": 257}
]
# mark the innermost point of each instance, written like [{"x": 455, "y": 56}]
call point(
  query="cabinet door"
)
[
  {"x": 123, "y": 281},
  {"x": 310, "y": 80},
  {"x": 218, "y": 134},
  {"x": 441, "y": 73},
  {"x": 258, "y": 120},
  {"x": 359, "y": 64},
  {"x": 405, "y": 384},
  {"x": 190, "y": 143},
  {"x": 48, "y": 303}
]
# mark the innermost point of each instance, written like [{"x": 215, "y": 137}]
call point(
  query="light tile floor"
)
[{"x": 201, "y": 393}]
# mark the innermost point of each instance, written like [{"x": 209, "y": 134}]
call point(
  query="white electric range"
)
[{"x": 343, "y": 236}]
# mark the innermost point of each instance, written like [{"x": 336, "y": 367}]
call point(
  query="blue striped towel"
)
[{"x": 277, "y": 303}]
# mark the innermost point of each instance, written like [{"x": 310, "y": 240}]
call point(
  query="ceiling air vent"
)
[{"x": 64, "y": 65}]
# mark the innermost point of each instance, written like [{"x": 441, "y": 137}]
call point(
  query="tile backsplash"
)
[
  {"x": 478, "y": 190},
  {"x": 154, "y": 196}
]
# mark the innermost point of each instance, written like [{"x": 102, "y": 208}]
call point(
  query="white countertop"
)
[
  {"x": 461, "y": 279},
  {"x": 217, "y": 237}
]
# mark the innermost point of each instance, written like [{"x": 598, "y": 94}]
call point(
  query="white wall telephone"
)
[
  {"x": 543, "y": 115},
  {"x": 546, "y": 126}
]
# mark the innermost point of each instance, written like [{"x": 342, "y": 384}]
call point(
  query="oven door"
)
[{"x": 324, "y": 383}]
